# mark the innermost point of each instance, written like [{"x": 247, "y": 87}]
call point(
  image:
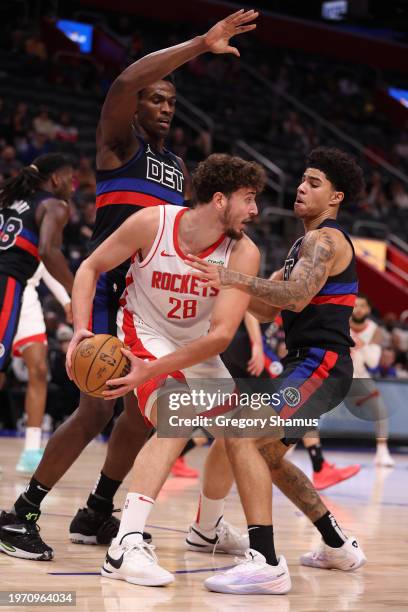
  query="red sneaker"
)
[
  {"x": 330, "y": 475},
  {"x": 182, "y": 470}
]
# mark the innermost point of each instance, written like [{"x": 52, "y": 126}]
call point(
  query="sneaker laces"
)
[
  {"x": 133, "y": 549},
  {"x": 222, "y": 531}
]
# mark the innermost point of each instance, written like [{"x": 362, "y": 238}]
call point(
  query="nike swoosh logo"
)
[
  {"x": 209, "y": 540},
  {"x": 280, "y": 575},
  {"x": 42, "y": 489},
  {"x": 15, "y": 529},
  {"x": 164, "y": 254},
  {"x": 116, "y": 563},
  {"x": 149, "y": 501}
]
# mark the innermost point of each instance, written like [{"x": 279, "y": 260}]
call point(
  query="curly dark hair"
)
[
  {"x": 341, "y": 170},
  {"x": 30, "y": 178},
  {"x": 225, "y": 173}
]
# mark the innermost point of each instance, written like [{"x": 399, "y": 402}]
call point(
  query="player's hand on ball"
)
[
  {"x": 121, "y": 386},
  {"x": 78, "y": 336},
  {"x": 217, "y": 39}
]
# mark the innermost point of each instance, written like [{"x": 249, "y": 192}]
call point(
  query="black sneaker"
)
[
  {"x": 90, "y": 527},
  {"x": 21, "y": 538}
]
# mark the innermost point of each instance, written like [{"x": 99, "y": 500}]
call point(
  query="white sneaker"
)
[
  {"x": 252, "y": 576},
  {"x": 348, "y": 557},
  {"x": 227, "y": 539},
  {"x": 382, "y": 456},
  {"x": 134, "y": 562}
]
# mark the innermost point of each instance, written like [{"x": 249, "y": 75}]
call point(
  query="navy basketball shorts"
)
[
  {"x": 109, "y": 289},
  {"x": 11, "y": 295},
  {"x": 313, "y": 381}
]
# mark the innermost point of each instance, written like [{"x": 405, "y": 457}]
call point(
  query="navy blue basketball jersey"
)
[
  {"x": 148, "y": 179},
  {"x": 19, "y": 237},
  {"x": 324, "y": 322}
]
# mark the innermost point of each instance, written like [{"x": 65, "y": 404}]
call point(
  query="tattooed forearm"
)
[{"x": 307, "y": 277}]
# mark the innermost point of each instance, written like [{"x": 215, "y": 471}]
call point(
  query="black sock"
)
[
  {"x": 188, "y": 447},
  {"x": 101, "y": 498},
  {"x": 316, "y": 456},
  {"x": 27, "y": 506},
  {"x": 35, "y": 492},
  {"x": 261, "y": 540},
  {"x": 330, "y": 530}
]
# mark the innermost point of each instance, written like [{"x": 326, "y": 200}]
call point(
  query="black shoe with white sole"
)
[
  {"x": 21, "y": 538},
  {"x": 91, "y": 527}
]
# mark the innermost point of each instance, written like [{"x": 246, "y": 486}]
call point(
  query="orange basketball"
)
[{"x": 96, "y": 360}]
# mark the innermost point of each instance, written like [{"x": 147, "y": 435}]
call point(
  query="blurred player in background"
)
[
  {"x": 30, "y": 343},
  {"x": 366, "y": 355},
  {"x": 33, "y": 212}
]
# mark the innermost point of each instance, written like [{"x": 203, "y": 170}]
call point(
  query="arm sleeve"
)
[{"x": 56, "y": 288}]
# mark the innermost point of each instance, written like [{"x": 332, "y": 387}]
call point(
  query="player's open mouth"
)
[{"x": 164, "y": 122}]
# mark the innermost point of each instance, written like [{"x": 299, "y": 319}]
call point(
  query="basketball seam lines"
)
[
  {"x": 112, "y": 373},
  {"x": 117, "y": 367},
  {"x": 92, "y": 362}
]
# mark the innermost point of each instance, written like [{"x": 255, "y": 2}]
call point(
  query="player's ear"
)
[
  {"x": 55, "y": 179},
  {"x": 219, "y": 200},
  {"x": 337, "y": 198}
]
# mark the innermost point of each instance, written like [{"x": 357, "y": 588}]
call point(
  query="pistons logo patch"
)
[{"x": 292, "y": 397}]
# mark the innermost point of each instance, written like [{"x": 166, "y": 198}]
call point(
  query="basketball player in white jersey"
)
[
  {"x": 367, "y": 337},
  {"x": 173, "y": 327},
  {"x": 30, "y": 343}
]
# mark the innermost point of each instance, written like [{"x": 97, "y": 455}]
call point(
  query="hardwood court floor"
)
[{"x": 373, "y": 506}]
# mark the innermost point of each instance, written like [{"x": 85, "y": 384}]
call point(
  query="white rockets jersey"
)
[
  {"x": 367, "y": 355},
  {"x": 162, "y": 292}
]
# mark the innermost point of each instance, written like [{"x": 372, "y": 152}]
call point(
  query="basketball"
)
[{"x": 96, "y": 360}]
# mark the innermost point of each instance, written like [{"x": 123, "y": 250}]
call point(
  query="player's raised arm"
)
[
  {"x": 115, "y": 126},
  {"x": 317, "y": 256}
]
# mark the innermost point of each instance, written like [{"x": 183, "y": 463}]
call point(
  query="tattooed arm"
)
[
  {"x": 265, "y": 313},
  {"x": 317, "y": 256}
]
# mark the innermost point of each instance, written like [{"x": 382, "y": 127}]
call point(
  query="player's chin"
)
[
  {"x": 163, "y": 129},
  {"x": 235, "y": 234}
]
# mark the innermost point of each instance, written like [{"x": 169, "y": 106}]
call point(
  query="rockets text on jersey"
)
[{"x": 163, "y": 294}]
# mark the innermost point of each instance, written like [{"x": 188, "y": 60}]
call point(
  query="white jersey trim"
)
[{"x": 157, "y": 240}]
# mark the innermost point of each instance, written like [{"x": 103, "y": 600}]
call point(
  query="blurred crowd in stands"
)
[{"x": 239, "y": 107}]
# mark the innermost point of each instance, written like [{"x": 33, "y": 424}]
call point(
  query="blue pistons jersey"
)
[{"x": 148, "y": 179}]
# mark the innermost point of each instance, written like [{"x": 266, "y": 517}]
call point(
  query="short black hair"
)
[
  {"x": 169, "y": 77},
  {"x": 340, "y": 169},
  {"x": 363, "y": 296},
  {"x": 226, "y": 174}
]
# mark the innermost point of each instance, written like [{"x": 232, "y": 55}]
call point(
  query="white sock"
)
[
  {"x": 209, "y": 512},
  {"x": 134, "y": 516},
  {"x": 32, "y": 438}
]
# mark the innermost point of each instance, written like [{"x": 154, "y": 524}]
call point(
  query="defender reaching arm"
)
[{"x": 319, "y": 251}]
